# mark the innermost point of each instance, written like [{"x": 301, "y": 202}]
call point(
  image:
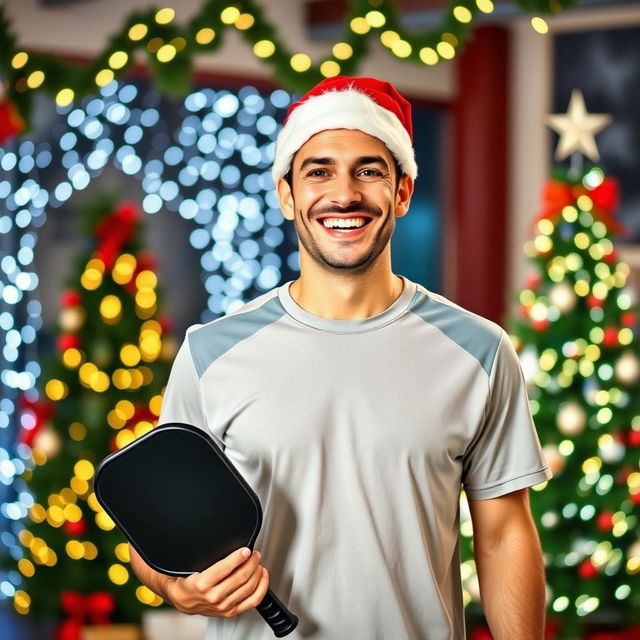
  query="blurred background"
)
[{"x": 135, "y": 200}]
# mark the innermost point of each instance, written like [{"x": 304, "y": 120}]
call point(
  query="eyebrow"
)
[{"x": 327, "y": 161}]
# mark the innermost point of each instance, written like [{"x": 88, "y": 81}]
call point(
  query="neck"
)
[{"x": 346, "y": 296}]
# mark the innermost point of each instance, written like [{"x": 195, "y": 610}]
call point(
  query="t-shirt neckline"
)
[{"x": 395, "y": 310}]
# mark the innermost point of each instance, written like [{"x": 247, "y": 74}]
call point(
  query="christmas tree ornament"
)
[
  {"x": 613, "y": 452},
  {"x": 577, "y": 128},
  {"x": 627, "y": 367},
  {"x": 563, "y": 297},
  {"x": 571, "y": 419},
  {"x": 11, "y": 123},
  {"x": 76, "y": 529},
  {"x": 71, "y": 319}
]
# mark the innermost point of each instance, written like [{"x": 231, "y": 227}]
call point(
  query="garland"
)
[{"x": 170, "y": 48}]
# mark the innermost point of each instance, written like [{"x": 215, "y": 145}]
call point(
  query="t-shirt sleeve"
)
[
  {"x": 182, "y": 401},
  {"x": 505, "y": 455}
]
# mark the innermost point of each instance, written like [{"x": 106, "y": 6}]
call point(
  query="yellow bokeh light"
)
[
  {"x": 93, "y": 503},
  {"x": 584, "y": 202},
  {"x": 581, "y": 287},
  {"x": 64, "y": 97},
  {"x": 375, "y": 18},
  {"x": 55, "y": 516},
  {"x": 19, "y": 60},
  {"x": 73, "y": 513},
  {"x": 138, "y": 31},
  {"x": 389, "y": 37},
  {"x": 154, "y": 44},
  {"x": 122, "y": 552},
  {"x": 99, "y": 381},
  {"x": 56, "y": 390},
  {"x": 146, "y": 596},
  {"x": 155, "y": 404},
  {"x": 146, "y": 298},
  {"x": 104, "y": 521},
  {"x": 125, "y": 408},
  {"x": 124, "y": 437},
  {"x": 445, "y": 50},
  {"x": 486, "y": 6},
  {"x": 300, "y": 62},
  {"x": 360, "y": 25},
  {"x": 118, "y": 574},
  {"x": 25, "y": 536},
  {"x": 77, "y": 431},
  {"x": 591, "y": 465},
  {"x": 79, "y": 485},
  {"x": 113, "y": 419},
  {"x": 229, "y": 15},
  {"x": 74, "y": 549},
  {"x": 122, "y": 380},
  {"x": 146, "y": 278},
  {"x": 165, "y": 16},
  {"x": 342, "y": 51},
  {"x": 462, "y": 14},
  {"x": 401, "y": 48},
  {"x": 110, "y": 308},
  {"x": 142, "y": 427},
  {"x": 90, "y": 550},
  {"x": 582, "y": 240},
  {"x": 104, "y": 77},
  {"x": 428, "y": 55},
  {"x": 91, "y": 279},
  {"x": 35, "y": 79},
  {"x": 22, "y": 599},
  {"x": 71, "y": 358},
  {"x": 545, "y": 226},
  {"x": 130, "y": 355},
  {"x": 25, "y": 567},
  {"x": 329, "y": 68},
  {"x": 84, "y": 469},
  {"x": 633, "y": 565},
  {"x": 37, "y": 513},
  {"x": 166, "y": 53},
  {"x": 245, "y": 21},
  {"x": 68, "y": 496},
  {"x": 264, "y": 48},
  {"x": 205, "y": 35},
  {"x": 539, "y": 25},
  {"x": 118, "y": 59}
]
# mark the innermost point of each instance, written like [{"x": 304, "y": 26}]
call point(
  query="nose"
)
[{"x": 345, "y": 190}]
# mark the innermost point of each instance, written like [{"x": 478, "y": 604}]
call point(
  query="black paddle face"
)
[{"x": 178, "y": 500}]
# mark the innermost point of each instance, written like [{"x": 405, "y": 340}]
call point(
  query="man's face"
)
[{"x": 344, "y": 199}]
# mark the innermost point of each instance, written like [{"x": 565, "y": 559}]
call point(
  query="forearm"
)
[
  {"x": 157, "y": 582},
  {"x": 512, "y": 587}
]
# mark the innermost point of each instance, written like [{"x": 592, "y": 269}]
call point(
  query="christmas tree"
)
[
  {"x": 575, "y": 337},
  {"x": 99, "y": 392}
]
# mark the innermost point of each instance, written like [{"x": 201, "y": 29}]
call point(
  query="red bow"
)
[
  {"x": 94, "y": 608},
  {"x": 11, "y": 123},
  {"x": 557, "y": 195},
  {"x": 41, "y": 410},
  {"x": 115, "y": 231}
]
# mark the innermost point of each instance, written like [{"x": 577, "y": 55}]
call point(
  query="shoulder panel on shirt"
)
[
  {"x": 476, "y": 335},
  {"x": 208, "y": 342}
]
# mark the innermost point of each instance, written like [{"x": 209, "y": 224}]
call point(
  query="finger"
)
[
  {"x": 217, "y": 572},
  {"x": 256, "y": 597},
  {"x": 234, "y": 581},
  {"x": 242, "y": 592}
]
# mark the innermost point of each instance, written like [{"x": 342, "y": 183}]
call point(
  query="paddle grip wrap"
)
[{"x": 276, "y": 615}]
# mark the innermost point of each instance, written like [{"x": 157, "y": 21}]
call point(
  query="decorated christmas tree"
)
[
  {"x": 100, "y": 391},
  {"x": 575, "y": 336}
]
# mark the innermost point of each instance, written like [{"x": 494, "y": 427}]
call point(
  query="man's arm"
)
[{"x": 510, "y": 566}]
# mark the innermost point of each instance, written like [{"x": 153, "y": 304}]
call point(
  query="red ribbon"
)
[
  {"x": 94, "y": 608},
  {"x": 115, "y": 231},
  {"x": 42, "y": 410},
  {"x": 557, "y": 195}
]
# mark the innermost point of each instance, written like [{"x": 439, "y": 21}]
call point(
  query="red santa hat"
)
[{"x": 342, "y": 102}]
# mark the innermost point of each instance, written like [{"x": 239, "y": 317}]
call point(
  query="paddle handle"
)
[{"x": 276, "y": 615}]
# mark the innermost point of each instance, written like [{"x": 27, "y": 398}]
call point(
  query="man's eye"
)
[
  {"x": 370, "y": 173},
  {"x": 317, "y": 173}
]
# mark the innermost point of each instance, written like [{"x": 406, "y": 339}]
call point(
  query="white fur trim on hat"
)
[{"x": 349, "y": 109}]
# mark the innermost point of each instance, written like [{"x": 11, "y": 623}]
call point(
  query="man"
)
[{"x": 356, "y": 403}]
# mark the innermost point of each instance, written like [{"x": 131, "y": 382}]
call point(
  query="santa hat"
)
[{"x": 342, "y": 102}]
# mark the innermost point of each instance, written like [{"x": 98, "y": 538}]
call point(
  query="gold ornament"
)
[
  {"x": 577, "y": 128},
  {"x": 571, "y": 419}
]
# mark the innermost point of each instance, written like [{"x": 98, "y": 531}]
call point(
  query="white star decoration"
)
[{"x": 577, "y": 128}]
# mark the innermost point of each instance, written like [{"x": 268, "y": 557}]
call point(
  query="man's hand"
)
[{"x": 235, "y": 584}]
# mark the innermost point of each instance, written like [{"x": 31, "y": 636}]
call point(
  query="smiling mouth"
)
[{"x": 344, "y": 223}]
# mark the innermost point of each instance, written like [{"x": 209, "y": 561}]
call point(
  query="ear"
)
[
  {"x": 285, "y": 198},
  {"x": 403, "y": 196}
]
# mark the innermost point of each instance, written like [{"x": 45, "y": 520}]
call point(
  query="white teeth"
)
[{"x": 343, "y": 223}]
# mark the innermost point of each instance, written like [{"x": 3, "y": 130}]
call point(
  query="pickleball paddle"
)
[{"x": 183, "y": 506}]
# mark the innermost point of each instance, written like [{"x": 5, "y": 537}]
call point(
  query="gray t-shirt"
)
[{"x": 357, "y": 435}]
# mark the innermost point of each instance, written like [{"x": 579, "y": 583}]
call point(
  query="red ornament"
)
[
  {"x": 610, "y": 257},
  {"x": 532, "y": 280},
  {"x": 481, "y": 633},
  {"x": 76, "y": 529},
  {"x": 69, "y": 630},
  {"x": 11, "y": 123},
  {"x": 587, "y": 571},
  {"x": 114, "y": 231},
  {"x": 592, "y": 301},
  {"x": 70, "y": 298},
  {"x": 635, "y": 498},
  {"x": 604, "y": 521},
  {"x": 41, "y": 411},
  {"x": 67, "y": 341},
  {"x": 610, "y": 338},
  {"x": 606, "y": 195},
  {"x": 633, "y": 438},
  {"x": 628, "y": 319}
]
